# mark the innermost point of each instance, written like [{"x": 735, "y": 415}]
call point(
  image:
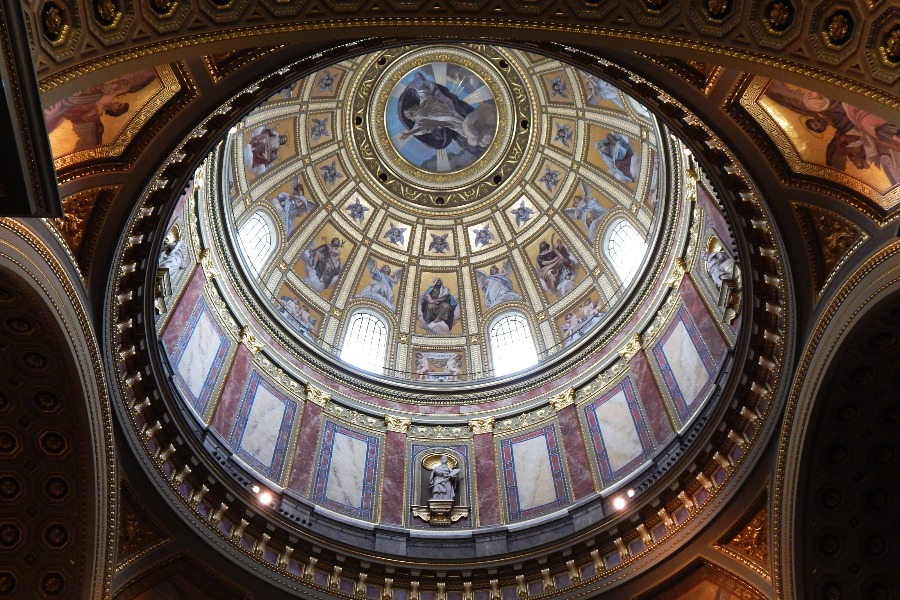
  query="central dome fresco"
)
[{"x": 449, "y": 213}]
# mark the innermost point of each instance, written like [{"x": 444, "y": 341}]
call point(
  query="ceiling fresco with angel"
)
[{"x": 357, "y": 167}]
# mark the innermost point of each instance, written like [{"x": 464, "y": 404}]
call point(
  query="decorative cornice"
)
[{"x": 247, "y": 338}]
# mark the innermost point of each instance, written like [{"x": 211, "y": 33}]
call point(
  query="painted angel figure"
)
[
  {"x": 588, "y": 210},
  {"x": 496, "y": 285},
  {"x": 556, "y": 267},
  {"x": 261, "y": 150},
  {"x": 601, "y": 90},
  {"x": 296, "y": 314},
  {"x": 291, "y": 205},
  {"x": 571, "y": 329},
  {"x": 381, "y": 287}
]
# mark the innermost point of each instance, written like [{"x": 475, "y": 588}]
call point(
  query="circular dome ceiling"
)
[
  {"x": 574, "y": 211},
  {"x": 444, "y": 197}
]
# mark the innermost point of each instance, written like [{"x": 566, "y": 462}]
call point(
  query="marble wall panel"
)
[
  {"x": 486, "y": 490},
  {"x": 576, "y": 454},
  {"x": 533, "y": 475},
  {"x": 704, "y": 319},
  {"x": 262, "y": 432},
  {"x": 347, "y": 472},
  {"x": 392, "y": 505},
  {"x": 658, "y": 420},
  {"x": 182, "y": 311},
  {"x": 618, "y": 432},
  {"x": 198, "y": 355},
  {"x": 307, "y": 443},
  {"x": 685, "y": 363},
  {"x": 229, "y": 401}
]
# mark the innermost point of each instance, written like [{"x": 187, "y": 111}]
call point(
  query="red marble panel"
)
[
  {"x": 307, "y": 443},
  {"x": 706, "y": 322},
  {"x": 580, "y": 477},
  {"x": 392, "y": 503},
  {"x": 486, "y": 480},
  {"x": 225, "y": 412},
  {"x": 183, "y": 309},
  {"x": 651, "y": 399}
]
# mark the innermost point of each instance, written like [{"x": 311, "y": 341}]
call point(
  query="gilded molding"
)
[{"x": 483, "y": 425}]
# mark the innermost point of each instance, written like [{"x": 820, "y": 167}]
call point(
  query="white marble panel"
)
[
  {"x": 263, "y": 424},
  {"x": 687, "y": 366},
  {"x": 199, "y": 354},
  {"x": 534, "y": 474},
  {"x": 346, "y": 473},
  {"x": 620, "y": 435}
]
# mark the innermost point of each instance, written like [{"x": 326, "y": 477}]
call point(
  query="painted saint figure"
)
[
  {"x": 438, "y": 308},
  {"x": 556, "y": 267},
  {"x": 297, "y": 315},
  {"x": 496, "y": 285},
  {"x": 262, "y": 148},
  {"x": 381, "y": 288},
  {"x": 323, "y": 264},
  {"x": 85, "y": 109},
  {"x": 443, "y": 480}
]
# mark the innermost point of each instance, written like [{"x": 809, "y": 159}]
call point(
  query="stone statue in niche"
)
[
  {"x": 443, "y": 479},
  {"x": 725, "y": 274},
  {"x": 172, "y": 259}
]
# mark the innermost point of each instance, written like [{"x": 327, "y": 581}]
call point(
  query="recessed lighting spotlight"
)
[
  {"x": 265, "y": 498},
  {"x": 255, "y": 489},
  {"x": 619, "y": 503},
  {"x": 631, "y": 493}
]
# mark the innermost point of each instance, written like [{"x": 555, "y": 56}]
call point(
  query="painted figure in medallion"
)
[{"x": 438, "y": 308}]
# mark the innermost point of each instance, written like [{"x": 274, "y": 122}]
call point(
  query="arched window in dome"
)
[
  {"x": 512, "y": 345},
  {"x": 365, "y": 342},
  {"x": 625, "y": 248},
  {"x": 256, "y": 238}
]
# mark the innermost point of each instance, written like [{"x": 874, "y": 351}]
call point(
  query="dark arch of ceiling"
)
[{"x": 849, "y": 528}]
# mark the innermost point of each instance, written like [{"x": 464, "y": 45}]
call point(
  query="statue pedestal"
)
[{"x": 440, "y": 512}]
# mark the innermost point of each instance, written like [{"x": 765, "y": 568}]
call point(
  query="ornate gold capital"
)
[
  {"x": 678, "y": 271},
  {"x": 631, "y": 348},
  {"x": 247, "y": 338},
  {"x": 563, "y": 399},
  {"x": 207, "y": 263},
  {"x": 317, "y": 396},
  {"x": 484, "y": 425},
  {"x": 398, "y": 424}
]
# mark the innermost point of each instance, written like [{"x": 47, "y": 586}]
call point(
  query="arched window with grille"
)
[
  {"x": 257, "y": 240},
  {"x": 512, "y": 345},
  {"x": 625, "y": 248},
  {"x": 365, "y": 342}
]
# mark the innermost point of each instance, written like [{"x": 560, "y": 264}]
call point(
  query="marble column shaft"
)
[
  {"x": 486, "y": 480},
  {"x": 577, "y": 461}
]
